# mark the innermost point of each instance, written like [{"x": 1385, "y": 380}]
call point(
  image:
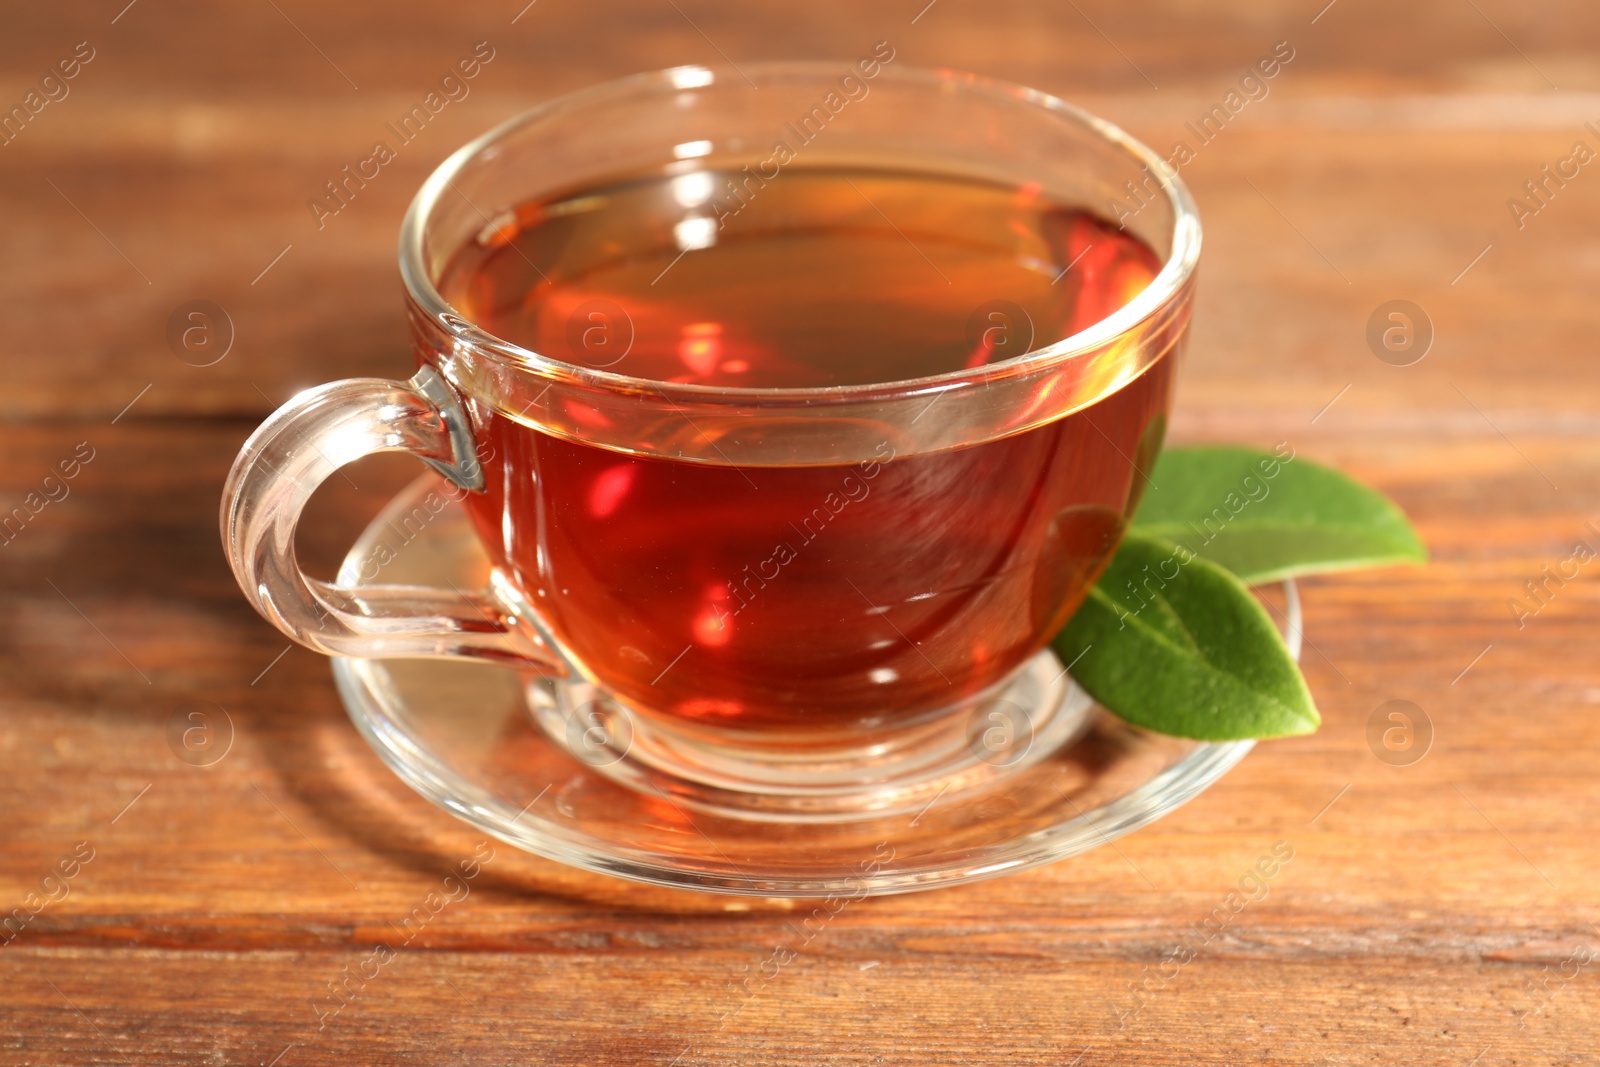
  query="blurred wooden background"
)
[{"x": 1439, "y": 913}]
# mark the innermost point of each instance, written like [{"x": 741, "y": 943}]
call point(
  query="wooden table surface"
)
[{"x": 1442, "y": 912}]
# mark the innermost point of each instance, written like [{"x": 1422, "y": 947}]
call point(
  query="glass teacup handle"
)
[{"x": 292, "y": 453}]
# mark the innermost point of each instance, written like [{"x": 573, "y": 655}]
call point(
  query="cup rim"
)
[{"x": 1176, "y": 270}]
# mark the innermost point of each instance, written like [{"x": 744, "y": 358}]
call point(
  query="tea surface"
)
[{"x": 821, "y": 277}]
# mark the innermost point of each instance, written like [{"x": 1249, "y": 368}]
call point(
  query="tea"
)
[{"x": 813, "y": 599}]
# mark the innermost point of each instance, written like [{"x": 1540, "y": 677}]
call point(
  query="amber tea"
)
[{"x": 807, "y": 598}]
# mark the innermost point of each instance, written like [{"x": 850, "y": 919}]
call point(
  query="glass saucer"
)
[{"x": 465, "y": 736}]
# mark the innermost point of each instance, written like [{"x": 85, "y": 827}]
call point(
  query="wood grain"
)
[{"x": 1430, "y": 914}]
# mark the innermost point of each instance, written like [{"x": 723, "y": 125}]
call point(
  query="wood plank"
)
[
  {"x": 835, "y": 1004},
  {"x": 190, "y": 195}
]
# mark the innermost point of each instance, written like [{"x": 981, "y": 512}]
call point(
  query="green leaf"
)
[
  {"x": 1178, "y": 645},
  {"x": 1266, "y": 518}
]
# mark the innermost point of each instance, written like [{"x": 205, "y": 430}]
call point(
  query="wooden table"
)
[{"x": 1440, "y": 913}]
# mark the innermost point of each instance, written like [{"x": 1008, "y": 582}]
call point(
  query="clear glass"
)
[
  {"x": 461, "y": 736},
  {"x": 892, "y": 760},
  {"x": 939, "y": 122}
]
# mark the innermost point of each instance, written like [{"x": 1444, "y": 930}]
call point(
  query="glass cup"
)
[{"x": 814, "y": 681}]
